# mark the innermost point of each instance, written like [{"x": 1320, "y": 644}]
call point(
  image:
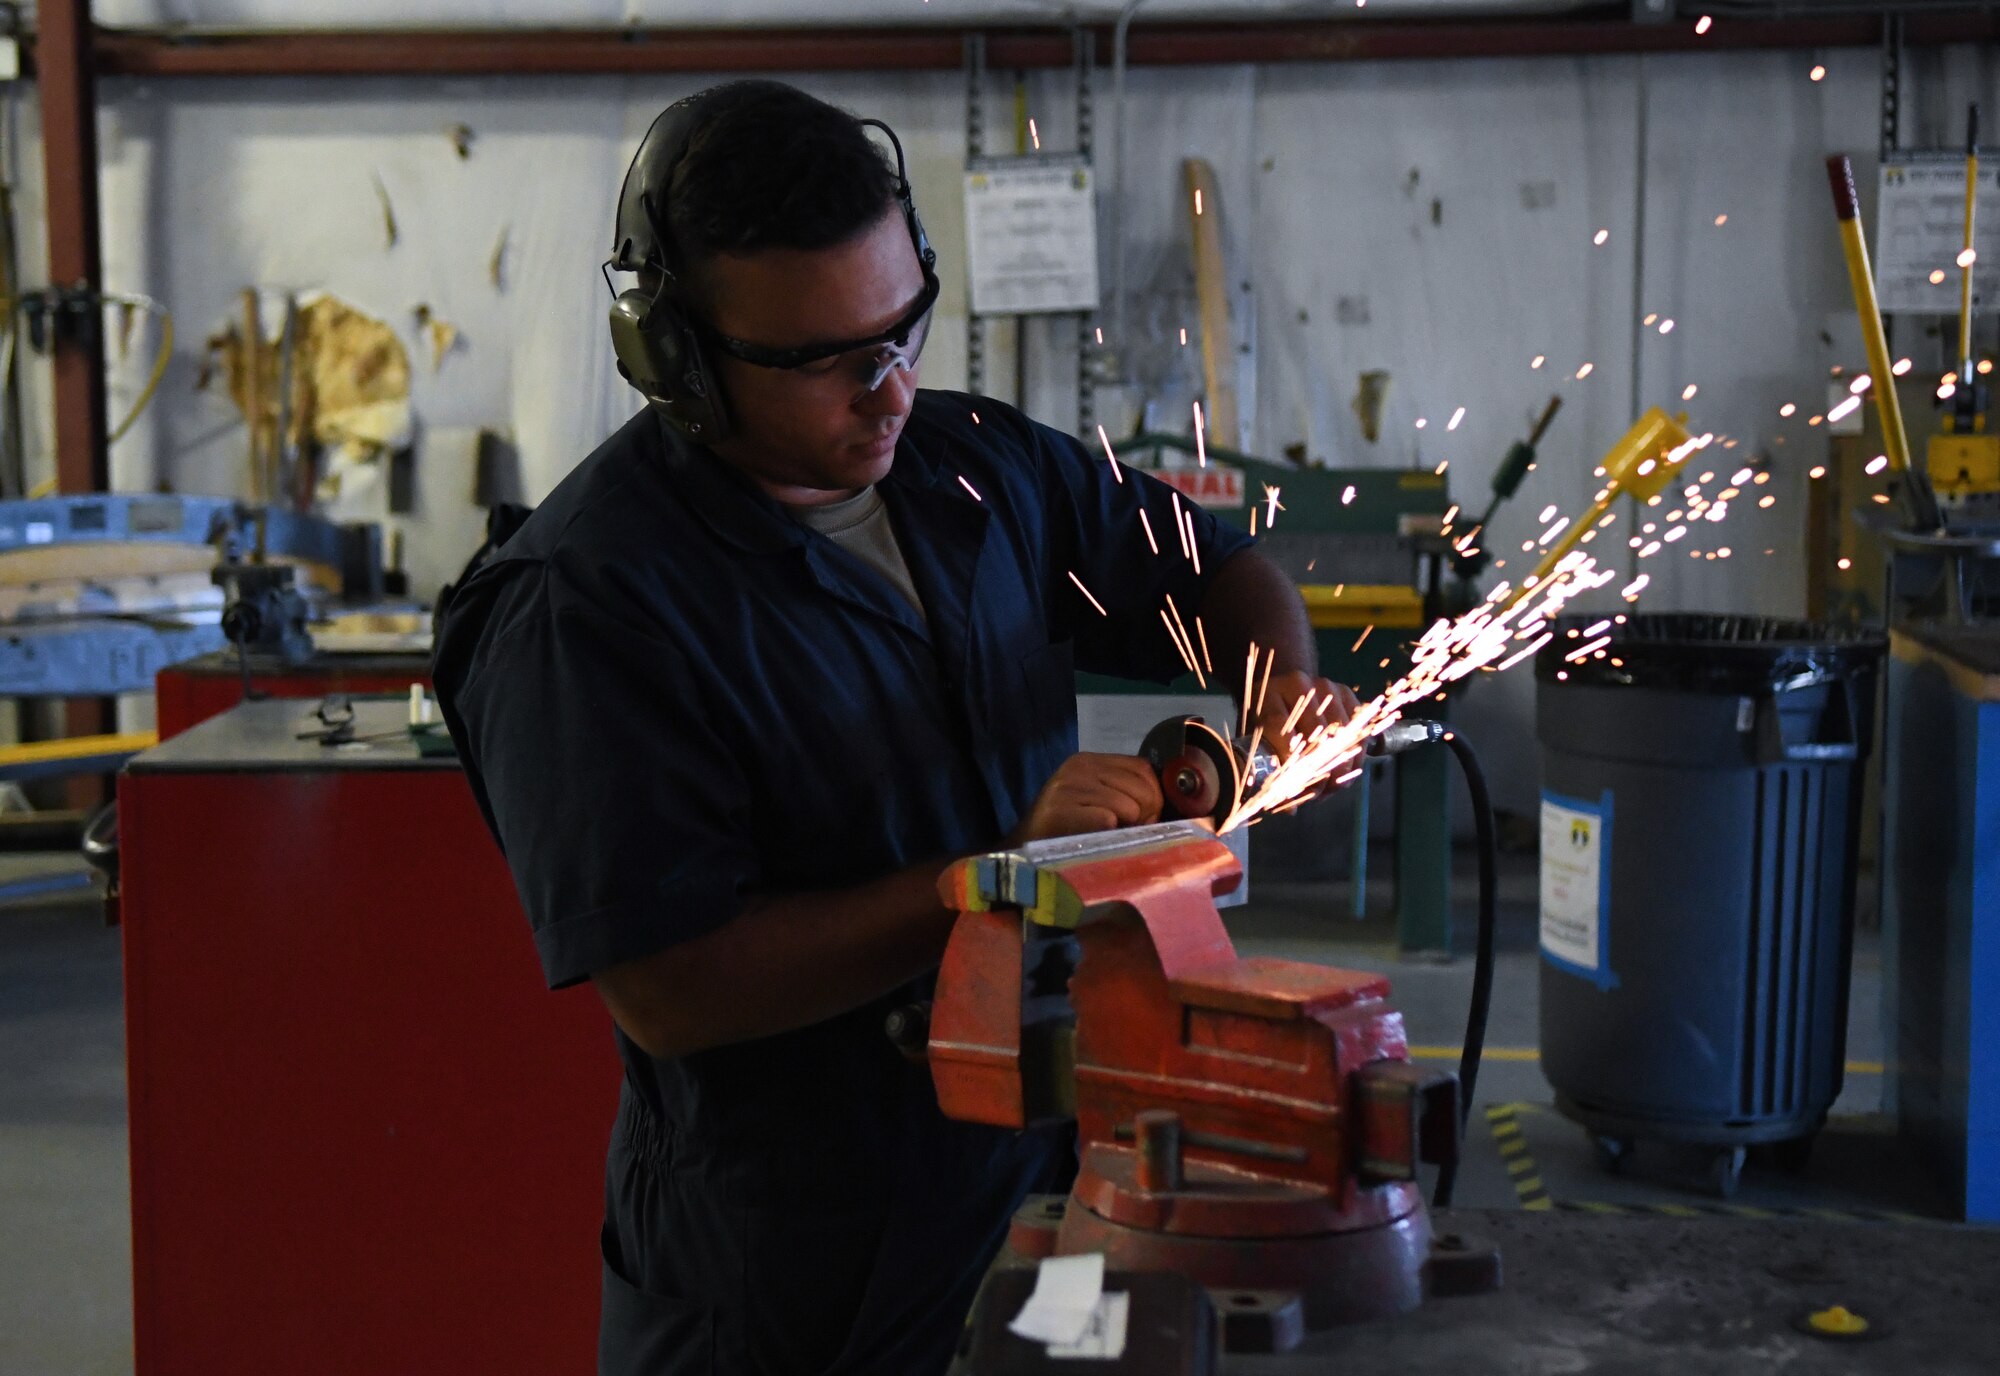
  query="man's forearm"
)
[
  {"x": 783, "y": 962},
  {"x": 1251, "y": 600}
]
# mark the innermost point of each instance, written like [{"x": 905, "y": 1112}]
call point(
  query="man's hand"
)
[
  {"x": 1331, "y": 704},
  {"x": 1092, "y": 793}
]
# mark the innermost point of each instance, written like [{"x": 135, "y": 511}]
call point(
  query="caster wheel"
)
[
  {"x": 1725, "y": 1171},
  {"x": 1611, "y": 1152}
]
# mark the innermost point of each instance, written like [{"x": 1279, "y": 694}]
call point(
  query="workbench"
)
[{"x": 1707, "y": 1296}]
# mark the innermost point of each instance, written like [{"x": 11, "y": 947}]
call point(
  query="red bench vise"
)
[{"x": 1253, "y": 1124}]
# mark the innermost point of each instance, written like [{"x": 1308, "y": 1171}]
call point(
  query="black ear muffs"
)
[{"x": 660, "y": 353}]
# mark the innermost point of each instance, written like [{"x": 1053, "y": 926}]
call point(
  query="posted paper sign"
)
[
  {"x": 1920, "y": 231},
  {"x": 1031, "y": 236},
  {"x": 1576, "y": 839}
]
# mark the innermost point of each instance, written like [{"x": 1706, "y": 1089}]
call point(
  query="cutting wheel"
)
[{"x": 1198, "y": 772}]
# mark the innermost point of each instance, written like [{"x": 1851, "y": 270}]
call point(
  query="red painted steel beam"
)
[
  {"x": 67, "y": 83},
  {"x": 578, "y": 52}
]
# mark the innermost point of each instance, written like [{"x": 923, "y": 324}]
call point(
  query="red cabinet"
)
[{"x": 365, "y": 1138}]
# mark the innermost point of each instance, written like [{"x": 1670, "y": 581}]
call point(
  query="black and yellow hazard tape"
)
[
  {"x": 1532, "y": 1193},
  {"x": 1503, "y": 1119}
]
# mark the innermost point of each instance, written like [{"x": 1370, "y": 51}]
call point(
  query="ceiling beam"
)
[{"x": 583, "y": 52}]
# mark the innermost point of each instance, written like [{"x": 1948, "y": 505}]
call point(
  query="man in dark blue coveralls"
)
[{"x": 787, "y": 644}]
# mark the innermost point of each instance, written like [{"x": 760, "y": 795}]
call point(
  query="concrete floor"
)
[{"x": 65, "y": 1262}]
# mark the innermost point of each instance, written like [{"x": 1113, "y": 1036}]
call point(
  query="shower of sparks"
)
[
  {"x": 975, "y": 418},
  {"x": 1599, "y": 237},
  {"x": 1548, "y": 514},
  {"x": 1180, "y": 527},
  {"x": 1844, "y": 409},
  {"x": 1704, "y": 24},
  {"x": 1687, "y": 392},
  {"x": 1194, "y": 549},
  {"x": 1448, "y": 651},
  {"x": 1456, "y": 417},
  {"x": 1667, "y": 326},
  {"x": 1183, "y": 336},
  {"x": 970, "y": 488},
  {"x": 1442, "y": 465},
  {"x": 1347, "y": 495},
  {"x": 1721, "y": 220},
  {"x": 1818, "y": 73},
  {"x": 1117, "y": 471},
  {"x": 1421, "y": 422},
  {"x": 1861, "y": 383},
  {"x": 1818, "y": 471},
  {"x": 1100, "y": 334},
  {"x": 1937, "y": 276},
  {"x": 1253, "y": 521},
  {"x": 1788, "y": 409},
  {"x": 1184, "y": 641},
  {"x": 1650, "y": 319},
  {"x": 1366, "y": 631},
  {"x": 1202, "y": 632},
  {"x": 1200, "y": 438},
  {"x": 1086, "y": 592},
  {"x": 1877, "y": 464},
  {"x": 1767, "y": 500},
  {"x": 1197, "y": 200},
  {"x": 1540, "y": 359},
  {"x": 1903, "y": 365},
  {"x": 1035, "y": 137},
  {"x": 1146, "y": 523},
  {"x": 1844, "y": 564},
  {"x": 1968, "y": 257},
  {"x": 1187, "y": 660},
  {"x": 1585, "y": 371},
  {"x": 1272, "y": 506}
]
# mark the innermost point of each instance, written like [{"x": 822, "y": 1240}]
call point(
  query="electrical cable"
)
[
  {"x": 160, "y": 360},
  {"x": 1482, "y": 967}
]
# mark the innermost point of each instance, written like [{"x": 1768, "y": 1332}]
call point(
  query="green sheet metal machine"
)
[{"x": 1378, "y": 554}]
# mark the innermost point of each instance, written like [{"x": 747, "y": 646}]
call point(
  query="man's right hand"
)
[{"x": 1092, "y": 793}]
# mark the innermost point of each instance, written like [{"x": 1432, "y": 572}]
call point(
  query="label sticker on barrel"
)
[{"x": 1576, "y": 874}]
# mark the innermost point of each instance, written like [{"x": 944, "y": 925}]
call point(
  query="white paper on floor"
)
[
  {"x": 1065, "y": 1299},
  {"x": 1104, "y": 1338}
]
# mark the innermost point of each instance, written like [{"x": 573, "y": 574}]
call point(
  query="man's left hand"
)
[{"x": 1331, "y": 705}]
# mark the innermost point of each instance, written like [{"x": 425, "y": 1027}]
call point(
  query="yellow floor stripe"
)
[
  {"x": 1520, "y": 1166},
  {"x": 1530, "y": 1054},
  {"x": 1542, "y": 1205}
]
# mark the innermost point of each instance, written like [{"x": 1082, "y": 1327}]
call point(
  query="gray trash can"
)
[{"x": 1701, "y": 793}]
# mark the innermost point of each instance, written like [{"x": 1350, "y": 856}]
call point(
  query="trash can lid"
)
[{"x": 1704, "y": 652}]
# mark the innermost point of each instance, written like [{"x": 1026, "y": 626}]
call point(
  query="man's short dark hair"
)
[{"x": 772, "y": 167}]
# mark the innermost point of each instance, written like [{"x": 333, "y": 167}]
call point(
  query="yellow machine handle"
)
[
  {"x": 1847, "y": 207},
  {"x": 1640, "y": 465}
]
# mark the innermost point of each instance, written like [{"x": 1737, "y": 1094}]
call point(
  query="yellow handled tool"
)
[
  {"x": 1966, "y": 264},
  {"x": 1648, "y": 457},
  {"x": 1847, "y": 208}
]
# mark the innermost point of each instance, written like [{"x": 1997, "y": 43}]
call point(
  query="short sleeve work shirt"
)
[{"x": 668, "y": 696}]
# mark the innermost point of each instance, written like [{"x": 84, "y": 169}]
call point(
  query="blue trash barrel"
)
[{"x": 1701, "y": 795}]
